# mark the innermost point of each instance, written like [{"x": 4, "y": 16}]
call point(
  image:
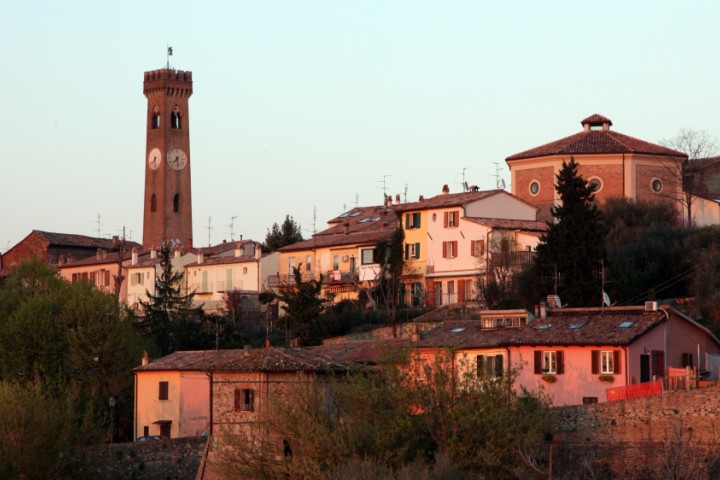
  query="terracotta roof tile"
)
[
  {"x": 72, "y": 240},
  {"x": 220, "y": 260},
  {"x": 503, "y": 223},
  {"x": 592, "y": 328},
  {"x": 596, "y": 142},
  {"x": 445, "y": 201}
]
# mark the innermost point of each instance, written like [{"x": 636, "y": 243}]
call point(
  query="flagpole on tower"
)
[{"x": 169, "y": 54}]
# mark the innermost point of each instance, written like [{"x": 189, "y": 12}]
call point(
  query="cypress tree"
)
[{"x": 571, "y": 249}]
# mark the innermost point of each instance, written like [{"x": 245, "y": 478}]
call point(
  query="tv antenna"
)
[
  {"x": 209, "y": 229},
  {"x": 314, "y": 220},
  {"x": 464, "y": 184},
  {"x": 169, "y": 54},
  {"x": 98, "y": 225},
  {"x": 357, "y": 199},
  {"x": 232, "y": 229},
  {"x": 499, "y": 182},
  {"x": 406, "y": 190},
  {"x": 384, "y": 187}
]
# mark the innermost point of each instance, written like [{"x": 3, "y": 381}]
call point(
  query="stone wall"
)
[
  {"x": 176, "y": 459},
  {"x": 677, "y": 431}
]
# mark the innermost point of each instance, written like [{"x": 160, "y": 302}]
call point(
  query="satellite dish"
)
[{"x": 606, "y": 300}]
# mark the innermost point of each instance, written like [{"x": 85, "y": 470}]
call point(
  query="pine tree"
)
[
  {"x": 282, "y": 235},
  {"x": 168, "y": 308},
  {"x": 570, "y": 251}
]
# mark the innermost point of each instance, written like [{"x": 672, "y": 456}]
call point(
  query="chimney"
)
[
  {"x": 446, "y": 190},
  {"x": 200, "y": 257},
  {"x": 258, "y": 251},
  {"x": 543, "y": 310},
  {"x": 61, "y": 261},
  {"x": 69, "y": 258},
  {"x": 346, "y": 225},
  {"x": 145, "y": 358},
  {"x": 421, "y": 199},
  {"x": 397, "y": 199},
  {"x": 177, "y": 251},
  {"x": 153, "y": 253},
  {"x": 134, "y": 256},
  {"x": 388, "y": 200},
  {"x": 537, "y": 311},
  {"x": 98, "y": 255},
  {"x": 267, "y": 343},
  {"x": 238, "y": 249}
]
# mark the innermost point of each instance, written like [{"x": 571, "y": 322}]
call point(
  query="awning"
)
[{"x": 162, "y": 422}]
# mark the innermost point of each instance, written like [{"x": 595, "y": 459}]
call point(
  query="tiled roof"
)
[
  {"x": 72, "y": 240},
  {"x": 504, "y": 223},
  {"x": 593, "y": 328},
  {"x": 270, "y": 359},
  {"x": 596, "y": 119},
  {"x": 700, "y": 163},
  {"x": 596, "y": 142},
  {"x": 221, "y": 247},
  {"x": 360, "y": 225},
  {"x": 448, "y": 200},
  {"x": 219, "y": 260},
  {"x": 367, "y": 352}
]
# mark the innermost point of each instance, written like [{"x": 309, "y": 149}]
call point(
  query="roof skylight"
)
[
  {"x": 355, "y": 214},
  {"x": 626, "y": 324},
  {"x": 344, "y": 214},
  {"x": 457, "y": 330},
  {"x": 364, "y": 220},
  {"x": 577, "y": 325},
  {"x": 544, "y": 326}
]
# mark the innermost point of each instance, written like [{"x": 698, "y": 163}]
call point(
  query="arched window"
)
[
  {"x": 155, "y": 121},
  {"x": 176, "y": 118},
  {"x": 153, "y": 203},
  {"x": 176, "y": 203}
]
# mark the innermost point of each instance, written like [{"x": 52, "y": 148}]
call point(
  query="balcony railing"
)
[{"x": 288, "y": 280}]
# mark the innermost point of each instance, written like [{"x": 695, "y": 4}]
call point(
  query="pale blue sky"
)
[{"x": 303, "y": 104}]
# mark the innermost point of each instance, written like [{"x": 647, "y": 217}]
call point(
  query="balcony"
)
[
  {"x": 334, "y": 277},
  {"x": 287, "y": 280}
]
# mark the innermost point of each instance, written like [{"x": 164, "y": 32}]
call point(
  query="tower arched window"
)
[
  {"x": 153, "y": 203},
  {"x": 155, "y": 120},
  {"x": 175, "y": 118},
  {"x": 176, "y": 203}
]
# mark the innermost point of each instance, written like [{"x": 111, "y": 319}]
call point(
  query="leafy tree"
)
[
  {"x": 169, "y": 311},
  {"x": 400, "y": 417},
  {"x": 302, "y": 306},
  {"x": 571, "y": 249},
  {"x": 392, "y": 260},
  {"x": 280, "y": 236}
]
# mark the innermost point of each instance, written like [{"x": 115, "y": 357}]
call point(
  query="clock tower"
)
[{"x": 168, "y": 201}]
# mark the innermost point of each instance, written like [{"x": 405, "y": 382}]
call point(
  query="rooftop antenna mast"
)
[
  {"x": 406, "y": 190},
  {"x": 232, "y": 229},
  {"x": 169, "y": 54},
  {"x": 98, "y": 225},
  {"x": 357, "y": 199},
  {"x": 499, "y": 182},
  {"x": 209, "y": 229},
  {"x": 463, "y": 183},
  {"x": 384, "y": 187}
]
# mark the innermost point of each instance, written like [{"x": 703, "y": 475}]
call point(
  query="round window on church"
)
[
  {"x": 534, "y": 187},
  {"x": 595, "y": 183},
  {"x": 656, "y": 185}
]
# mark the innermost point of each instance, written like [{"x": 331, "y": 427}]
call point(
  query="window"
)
[
  {"x": 228, "y": 279},
  {"x": 687, "y": 360},
  {"x": 451, "y": 219},
  {"x": 163, "y": 391},
  {"x": 291, "y": 266},
  {"x": 489, "y": 366},
  {"x": 657, "y": 363},
  {"x": 244, "y": 400},
  {"x": 656, "y": 185},
  {"x": 244, "y": 270},
  {"x": 477, "y": 248},
  {"x": 607, "y": 362},
  {"x": 308, "y": 263},
  {"x": 155, "y": 120},
  {"x": 336, "y": 262},
  {"x": 412, "y": 250},
  {"x": 589, "y": 400},
  {"x": 176, "y": 203},
  {"x": 450, "y": 249},
  {"x": 549, "y": 362},
  {"x": 153, "y": 203},
  {"x": 534, "y": 188},
  {"x": 137, "y": 278},
  {"x": 368, "y": 256},
  {"x": 412, "y": 220},
  {"x": 175, "y": 119}
]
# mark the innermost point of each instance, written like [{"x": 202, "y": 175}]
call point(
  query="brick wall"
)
[
  {"x": 177, "y": 459},
  {"x": 643, "y": 434}
]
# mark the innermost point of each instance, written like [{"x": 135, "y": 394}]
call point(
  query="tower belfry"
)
[{"x": 168, "y": 200}]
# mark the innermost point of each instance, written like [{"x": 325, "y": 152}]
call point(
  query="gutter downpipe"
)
[
  {"x": 210, "y": 377},
  {"x": 135, "y": 413},
  {"x": 487, "y": 257}
]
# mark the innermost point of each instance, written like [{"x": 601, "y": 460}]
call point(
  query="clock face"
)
[
  {"x": 177, "y": 159},
  {"x": 154, "y": 158}
]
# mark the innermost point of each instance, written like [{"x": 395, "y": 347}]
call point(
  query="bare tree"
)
[{"x": 696, "y": 144}]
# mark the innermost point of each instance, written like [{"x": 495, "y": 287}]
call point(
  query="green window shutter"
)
[
  {"x": 498, "y": 365},
  {"x": 417, "y": 220},
  {"x": 407, "y": 221},
  {"x": 417, "y": 250}
]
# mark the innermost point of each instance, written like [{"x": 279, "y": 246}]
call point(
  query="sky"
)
[{"x": 309, "y": 108}]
